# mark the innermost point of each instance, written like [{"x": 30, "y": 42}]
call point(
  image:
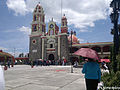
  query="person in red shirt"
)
[{"x": 65, "y": 61}]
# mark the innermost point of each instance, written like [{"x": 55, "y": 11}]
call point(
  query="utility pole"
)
[{"x": 71, "y": 33}]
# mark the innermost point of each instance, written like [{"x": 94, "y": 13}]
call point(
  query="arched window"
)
[
  {"x": 35, "y": 18},
  {"x": 42, "y": 28},
  {"x": 43, "y": 19},
  {"x": 51, "y": 32},
  {"x": 51, "y": 45},
  {"x": 63, "y": 23},
  {"x": 35, "y": 28}
]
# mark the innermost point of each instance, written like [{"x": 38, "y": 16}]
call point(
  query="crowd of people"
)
[
  {"x": 49, "y": 62},
  {"x": 91, "y": 69}
]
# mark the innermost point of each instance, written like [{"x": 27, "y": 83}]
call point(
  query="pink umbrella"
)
[
  {"x": 87, "y": 52},
  {"x": 105, "y": 60}
]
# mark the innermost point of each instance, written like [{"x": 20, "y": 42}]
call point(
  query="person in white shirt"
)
[{"x": 2, "y": 81}]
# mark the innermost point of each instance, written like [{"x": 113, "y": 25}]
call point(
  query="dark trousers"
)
[{"x": 91, "y": 84}]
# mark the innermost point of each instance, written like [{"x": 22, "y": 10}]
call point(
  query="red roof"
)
[
  {"x": 3, "y": 54},
  {"x": 22, "y": 58},
  {"x": 104, "y": 60},
  {"x": 94, "y": 43}
]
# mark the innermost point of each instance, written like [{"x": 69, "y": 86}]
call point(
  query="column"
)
[
  {"x": 43, "y": 48},
  {"x": 59, "y": 47}
]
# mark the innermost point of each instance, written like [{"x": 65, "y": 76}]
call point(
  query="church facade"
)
[
  {"x": 55, "y": 44},
  {"x": 52, "y": 45}
]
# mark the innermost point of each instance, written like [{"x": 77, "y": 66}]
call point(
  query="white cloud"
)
[
  {"x": 2, "y": 48},
  {"x": 18, "y": 6},
  {"x": 8, "y": 50},
  {"x": 81, "y": 40},
  {"x": 84, "y": 30},
  {"x": 16, "y": 54},
  {"x": 80, "y": 13},
  {"x": 24, "y": 29}
]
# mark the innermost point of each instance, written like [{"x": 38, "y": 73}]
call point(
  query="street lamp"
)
[
  {"x": 115, "y": 4},
  {"x": 71, "y": 33}
]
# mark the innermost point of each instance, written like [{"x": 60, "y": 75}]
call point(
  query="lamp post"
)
[
  {"x": 71, "y": 33},
  {"x": 115, "y": 4}
]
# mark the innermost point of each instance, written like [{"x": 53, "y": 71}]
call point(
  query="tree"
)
[{"x": 21, "y": 55}]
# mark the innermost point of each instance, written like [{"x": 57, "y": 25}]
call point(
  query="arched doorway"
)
[{"x": 51, "y": 58}]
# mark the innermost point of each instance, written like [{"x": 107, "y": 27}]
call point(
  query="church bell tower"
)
[
  {"x": 63, "y": 47},
  {"x": 38, "y": 23},
  {"x": 38, "y": 30},
  {"x": 64, "y": 27}
]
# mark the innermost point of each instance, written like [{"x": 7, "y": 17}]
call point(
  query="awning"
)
[{"x": 104, "y": 60}]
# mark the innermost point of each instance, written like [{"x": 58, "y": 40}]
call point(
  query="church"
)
[{"x": 55, "y": 43}]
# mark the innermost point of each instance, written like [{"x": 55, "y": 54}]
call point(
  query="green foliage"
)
[
  {"x": 112, "y": 60},
  {"x": 118, "y": 61},
  {"x": 111, "y": 80},
  {"x": 21, "y": 55}
]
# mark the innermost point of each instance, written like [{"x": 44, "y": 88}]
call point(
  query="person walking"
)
[
  {"x": 8, "y": 63},
  {"x": 92, "y": 73},
  {"x": 63, "y": 63},
  {"x": 104, "y": 66},
  {"x": 2, "y": 81}
]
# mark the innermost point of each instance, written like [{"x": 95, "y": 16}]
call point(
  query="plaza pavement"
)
[{"x": 23, "y": 77}]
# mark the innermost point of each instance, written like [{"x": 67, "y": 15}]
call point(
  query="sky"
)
[{"x": 89, "y": 18}]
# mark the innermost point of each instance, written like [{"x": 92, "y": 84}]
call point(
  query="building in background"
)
[
  {"x": 6, "y": 57},
  {"x": 54, "y": 44}
]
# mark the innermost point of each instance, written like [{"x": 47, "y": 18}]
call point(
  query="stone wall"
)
[
  {"x": 64, "y": 47},
  {"x": 35, "y": 49}
]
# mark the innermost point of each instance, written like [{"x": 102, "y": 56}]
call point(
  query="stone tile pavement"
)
[{"x": 23, "y": 77}]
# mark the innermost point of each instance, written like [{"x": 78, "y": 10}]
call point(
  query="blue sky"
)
[{"x": 90, "y": 19}]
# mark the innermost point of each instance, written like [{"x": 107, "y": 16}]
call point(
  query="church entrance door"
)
[{"x": 51, "y": 57}]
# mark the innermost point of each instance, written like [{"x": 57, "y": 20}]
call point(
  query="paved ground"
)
[{"x": 23, "y": 77}]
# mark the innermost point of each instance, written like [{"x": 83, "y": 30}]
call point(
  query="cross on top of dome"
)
[
  {"x": 64, "y": 17},
  {"x": 38, "y": 3}
]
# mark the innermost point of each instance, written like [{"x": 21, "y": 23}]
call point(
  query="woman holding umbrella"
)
[
  {"x": 92, "y": 73},
  {"x": 91, "y": 69}
]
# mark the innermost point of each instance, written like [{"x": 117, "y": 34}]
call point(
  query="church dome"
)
[{"x": 74, "y": 39}]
